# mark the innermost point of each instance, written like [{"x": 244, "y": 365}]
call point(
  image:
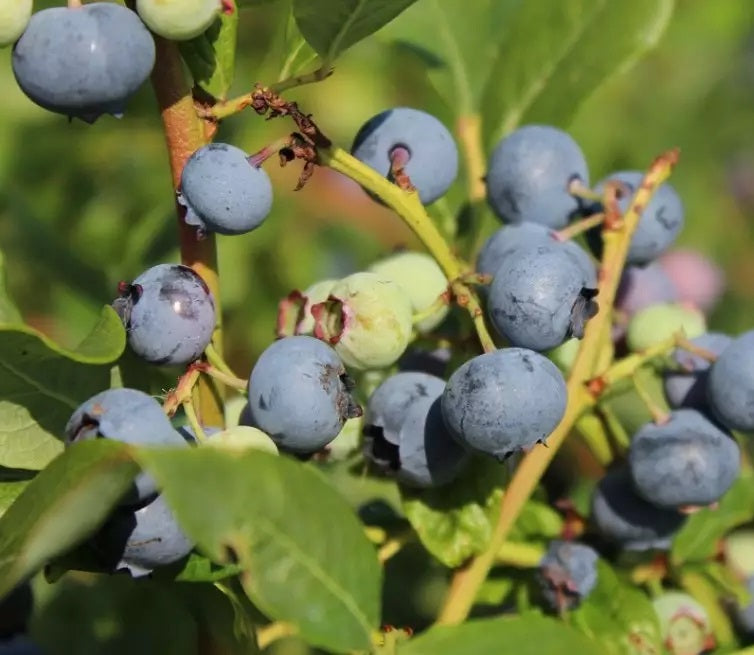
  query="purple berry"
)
[{"x": 567, "y": 574}]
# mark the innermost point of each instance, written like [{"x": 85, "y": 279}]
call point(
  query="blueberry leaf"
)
[
  {"x": 211, "y": 56},
  {"x": 557, "y": 50},
  {"x": 9, "y": 491},
  {"x": 64, "y": 504},
  {"x": 455, "y": 521},
  {"x": 332, "y": 26},
  {"x": 620, "y": 616},
  {"x": 527, "y": 634},
  {"x": 42, "y": 383},
  {"x": 8, "y": 311},
  {"x": 304, "y": 555}
]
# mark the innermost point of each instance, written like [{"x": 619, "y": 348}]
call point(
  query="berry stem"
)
[
  {"x": 259, "y": 157},
  {"x": 579, "y": 227},
  {"x": 691, "y": 347},
  {"x": 216, "y": 360},
  {"x": 322, "y": 73},
  {"x": 193, "y": 419},
  {"x": 185, "y": 133},
  {"x": 578, "y": 189},
  {"x": 467, "y": 579},
  {"x": 182, "y": 391},
  {"x": 659, "y": 415},
  {"x": 229, "y": 380}
]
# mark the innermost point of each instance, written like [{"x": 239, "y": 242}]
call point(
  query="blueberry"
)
[
  {"x": 502, "y": 401},
  {"x": 299, "y": 394},
  {"x": 143, "y": 539},
  {"x": 686, "y": 462},
  {"x": 696, "y": 278},
  {"x": 169, "y": 314},
  {"x": 178, "y": 20},
  {"x": 529, "y": 174},
  {"x": 659, "y": 322},
  {"x": 660, "y": 223},
  {"x": 434, "y": 362},
  {"x": 730, "y": 385},
  {"x": 622, "y": 516},
  {"x": 126, "y": 415},
  {"x": 685, "y": 626},
  {"x": 433, "y": 157},
  {"x": 686, "y": 386},
  {"x": 567, "y": 574},
  {"x": 83, "y": 61},
  {"x": 223, "y": 192},
  {"x": 539, "y": 298},
  {"x": 642, "y": 286},
  {"x": 509, "y": 238},
  {"x": 389, "y": 402}
]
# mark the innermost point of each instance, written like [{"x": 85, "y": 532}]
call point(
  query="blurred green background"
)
[{"x": 82, "y": 207}]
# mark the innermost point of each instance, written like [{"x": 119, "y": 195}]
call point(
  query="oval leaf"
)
[
  {"x": 42, "y": 383},
  {"x": 556, "y": 53},
  {"x": 305, "y": 556},
  {"x": 331, "y": 26},
  {"x": 64, "y": 504},
  {"x": 530, "y": 634},
  {"x": 8, "y": 311}
]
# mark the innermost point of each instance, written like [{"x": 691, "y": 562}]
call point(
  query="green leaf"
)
[
  {"x": 537, "y": 520},
  {"x": 530, "y": 634},
  {"x": 305, "y": 556},
  {"x": 697, "y": 539},
  {"x": 455, "y": 521},
  {"x": 8, "y": 311},
  {"x": 64, "y": 504},
  {"x": 42, "y": 383},
  {"x": 618, "y": 615},
  {"x": 9, "y": 491},
  {"x": 197, "y": 568},
  {"x": 556, "y": 54},
  {"x": 332, "y": 26},
  {"x": 211, "y": 56},
  {"x": 459, "y": 50}
]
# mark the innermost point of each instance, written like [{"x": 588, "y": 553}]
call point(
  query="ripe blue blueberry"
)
[
  {"x": 143, "y": 539},
  {"x": 83, "y": 61},
  {"x": 433, "y": 362},
  {"x": 730, "y": 385},
  {"x": 299, "y": 394},
  {"x": 684, "y": 463},
  {"x": 505, "y": 400},
  {"x": 539, "y": 298},
  {"x": 169, "y": 314},
  {"x": 623, "y": 517},
  {"x": 432, "y": 154},
  {"x": 510, "y": 238},
  {"x": 223, "y": 192},
  {"x": 567, "y": 574},
  {"x": 126, "y": 415},
  {"x": 660, "y": 223},
  {"x": 529, "y": 174},
  {"x": 641, "y": 286},
  {"x": 686, "y": 385}
]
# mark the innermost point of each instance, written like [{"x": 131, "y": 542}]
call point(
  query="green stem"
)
[
  {"x": 193, "y": 419},
  {"x": 322, "y": 73}
]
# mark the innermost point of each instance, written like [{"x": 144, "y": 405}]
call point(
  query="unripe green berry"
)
[
  {"x": 178, "y": 20},
  {"x": 241, "y": 438},
  {"x": 423, "y": 281},
  {"x": 684, "y": 624},
  {"x": 659, "y": 322},
  {"x": 14, "y": 17},
  {"x": 315, "y": 294},
  {"x": 367, "y": 319}
]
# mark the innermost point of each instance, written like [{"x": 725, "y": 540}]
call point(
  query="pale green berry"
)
[
  {"x": 659, "y": 322},
  {"x": 347, "y": 442},
  {"x": 739, "y": 552},
  {"x": 367, "y": 320},
  {"x": 14, "y": 17},
  {"x": 316, "y": 293},
  {"x": 241, "y": 438},
  {"x": 684, "y": 624},
  {"x": 178, "y": 20},
  {"x": 423, "y": 281}
]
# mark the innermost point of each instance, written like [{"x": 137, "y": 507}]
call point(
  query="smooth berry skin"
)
[
  {"x": 529, "y": 174},
  {"x": 687, "y": 386},
  {"x": 84, "y": 61},
  {"x": 697, "y": 279},
  {"x": 686, "y": 462},
  {"x": 534, "y": 295},
  {"x": 500, "y": 402},
  {"x": 14, "y": 17},
  {"x": 661, "y": 220},
  {"x": 178, "y": 20},
  {"x": 172, "y": 317},
  {"x": 642, "y": 286},
  {"x": 391, "y": 400},
  {"x": 509, "y": 238},
  {"x": 656, "y": 323},
  {"x": 299, "y": 394},
  {"x": 126, "y": 415},
  {"x": 223, "y": 192},
  {"x": 730, "y": 385},
  {"x": 433, "y": 163},
  {"x": 144, "y": 539},
  {"x": 428, "y": 455},
  {"x": 567, "y": 574},
  {"x": 625, "y": 518}
]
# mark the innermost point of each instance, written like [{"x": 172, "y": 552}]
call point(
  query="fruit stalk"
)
[
  {"x": 617, "y": 237},
  {"x": 185, "y": 133}
]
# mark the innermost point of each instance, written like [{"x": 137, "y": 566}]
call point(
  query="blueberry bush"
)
[{"x": 365, "y": 361}]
